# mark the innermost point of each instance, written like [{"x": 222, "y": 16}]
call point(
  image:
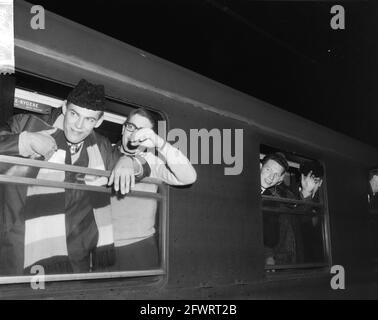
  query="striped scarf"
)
[{"x": 68, "y": 230}]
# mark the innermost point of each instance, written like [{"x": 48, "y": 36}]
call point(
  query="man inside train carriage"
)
[
  {"x": 134, "y": 228},
  {"x": 63, "y": 230},
  {"x": 373, "y": 189},
  {"x": 308, "y": 229}
]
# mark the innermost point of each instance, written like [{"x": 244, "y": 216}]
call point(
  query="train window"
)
[
  {"x": 294, "y": 221},
  {"x": 118, "y": 236}
]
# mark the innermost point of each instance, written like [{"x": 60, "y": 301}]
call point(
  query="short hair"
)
[
  {"x": 314, "y": 166},
  {"x": 278, "y": 157},
  {"x": 144, "y": 113},
  {"x": 373, "y": 172},
  {"x": 88, "y": 95}
]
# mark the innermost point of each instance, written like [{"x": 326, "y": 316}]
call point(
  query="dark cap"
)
[{"x": 88, "y": 95}]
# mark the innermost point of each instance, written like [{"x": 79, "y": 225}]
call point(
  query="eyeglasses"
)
[{"x": 131, "y": 127}]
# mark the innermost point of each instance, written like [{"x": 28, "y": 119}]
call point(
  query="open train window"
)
[
  {"x": 136, "y": 223},
  {"x": 293, "y": 208}
]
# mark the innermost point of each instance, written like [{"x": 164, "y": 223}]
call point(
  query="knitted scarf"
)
[{"x": 68, "y": 230}]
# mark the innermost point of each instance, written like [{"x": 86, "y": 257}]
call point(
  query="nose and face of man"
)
[
  {"x": 271, "y": 174},
  {"x": 79, "y": 122},
  {"x": 132, "y": 125}
]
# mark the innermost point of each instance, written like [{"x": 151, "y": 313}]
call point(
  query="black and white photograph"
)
[{"x": 208, "y": 151}]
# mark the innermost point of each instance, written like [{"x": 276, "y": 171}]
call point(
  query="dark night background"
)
[{"x": 281, "y": 52}]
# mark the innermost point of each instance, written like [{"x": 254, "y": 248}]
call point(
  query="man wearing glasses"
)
[{"x": 134, "y": 218}]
